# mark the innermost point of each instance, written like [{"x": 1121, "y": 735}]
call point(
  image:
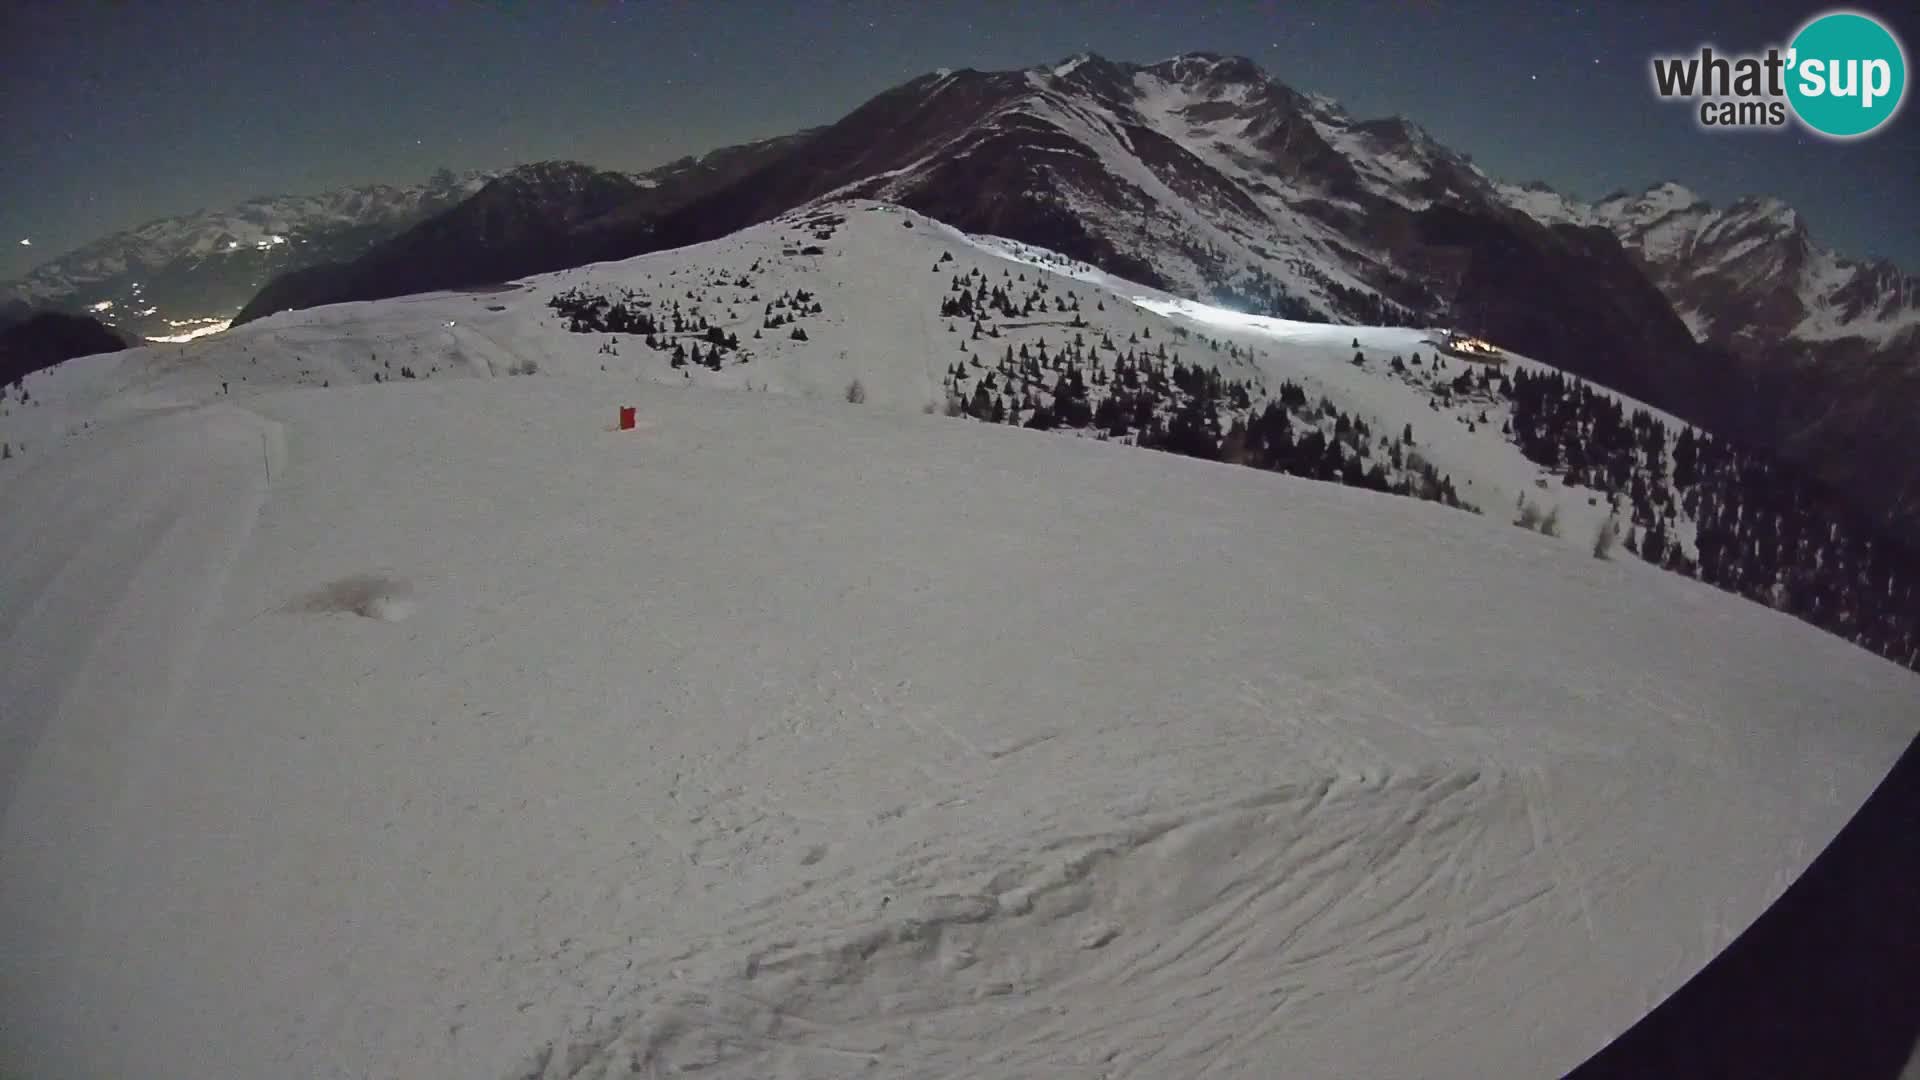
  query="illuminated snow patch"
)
[
  {"x": 1228, "y": 319},
  {"x": 196, "y": 332},
  {"x": 1157, "y": 302},
  {"x": 104, "y": 305}
]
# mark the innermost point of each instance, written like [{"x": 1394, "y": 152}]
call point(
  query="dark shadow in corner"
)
[{"x": 1826, "y": 983}]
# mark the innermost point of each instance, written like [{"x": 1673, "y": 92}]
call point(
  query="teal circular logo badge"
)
[{"x": 1846, "y": 74}]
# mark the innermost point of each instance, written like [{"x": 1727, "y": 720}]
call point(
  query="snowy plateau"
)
[{"x": 372, "y": 713}]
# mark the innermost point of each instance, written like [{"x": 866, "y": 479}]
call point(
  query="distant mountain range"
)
[
  {"x": 1204, "y": 176},
  {"x": 1747, "y": 274},
  {"x": 539, "y": 217},
  {"x": 174, "y": 275}
]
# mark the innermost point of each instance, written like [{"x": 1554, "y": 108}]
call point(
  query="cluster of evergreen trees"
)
[
  {"x": 788, "y": 308},
  {"x": 688, "y": 336},
  {"x": 971, "y": 297},
  {"x": 1761, "y": 530},
  {"x": 1474, "y": 384},
  {"x": 590, "y": 313},
  {"x": 717, "y": 344},
  {"x": 1138, "y": 391},
  {"x": 1335, "y": 447}
]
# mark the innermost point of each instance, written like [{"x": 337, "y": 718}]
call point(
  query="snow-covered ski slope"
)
[
  {"x": 879, "y": 278},
  {"x": 437, "y": 729},
  {"x": 787, "y": 738}
]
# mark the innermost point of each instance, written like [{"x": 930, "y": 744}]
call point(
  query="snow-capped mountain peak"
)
[
  {"x": 1545, "y": 204},
  {"x": 1212, "y": 69},
  {"x": 1665, "y": 198},
  {"x": 1772, "y": 210},
  {"x": 1748, "y": 273},
  {"x": 1071, "y": 64},
  {"x": 1325, "y": 107}
]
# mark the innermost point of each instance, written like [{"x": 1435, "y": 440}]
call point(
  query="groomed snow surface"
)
[{"x": 441, "y": 730}]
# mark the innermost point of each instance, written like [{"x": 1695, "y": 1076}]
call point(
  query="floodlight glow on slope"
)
[
  {"x": 1228, "y": 319},
  {"x": 196, "y": 332}
]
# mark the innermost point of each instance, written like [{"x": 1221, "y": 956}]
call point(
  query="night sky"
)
[{"x": 119, "y": 113}]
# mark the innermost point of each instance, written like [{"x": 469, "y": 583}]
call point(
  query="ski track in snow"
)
[
  {"x": 110, "y": 577},
  {"x": 154, "y": 545}
]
